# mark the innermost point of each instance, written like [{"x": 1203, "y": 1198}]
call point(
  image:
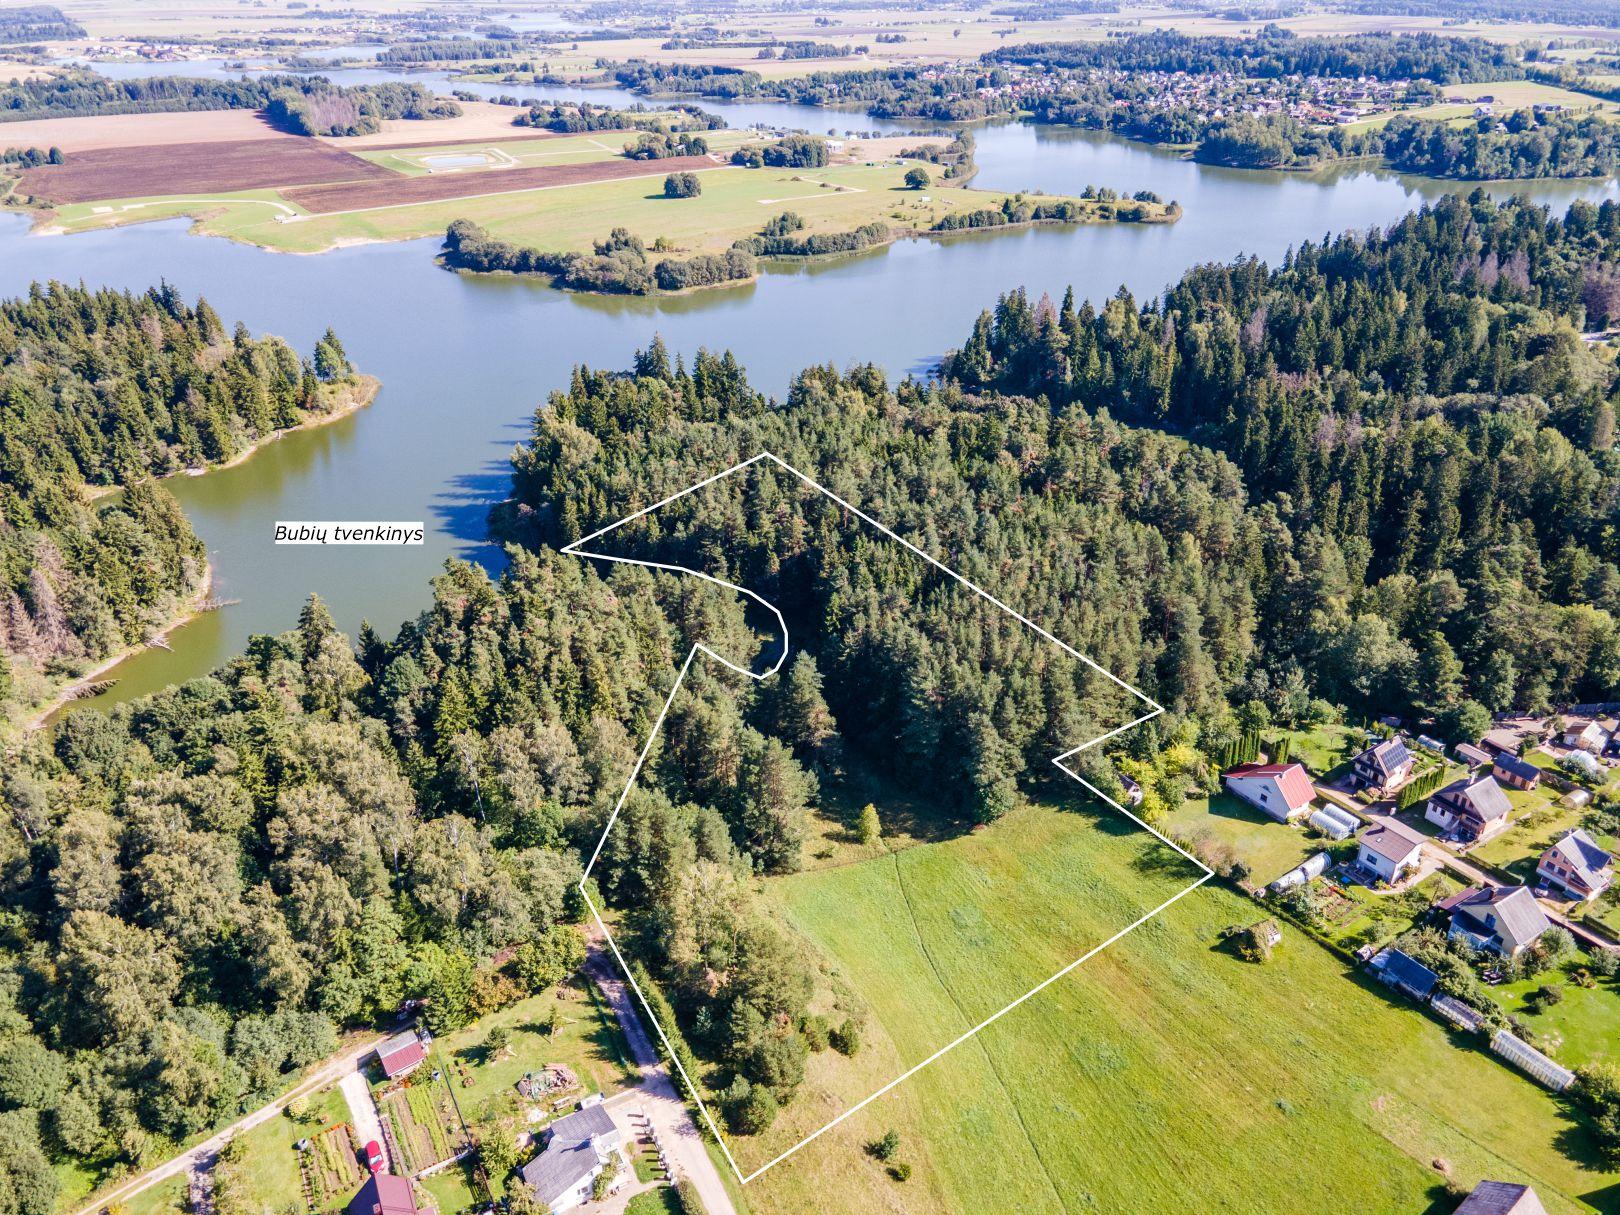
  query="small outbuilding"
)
[
  {"x": 402, "y": 1053},
  {"x": 1509, "y": 769},
  {"x": 1501, "y": 1198}
]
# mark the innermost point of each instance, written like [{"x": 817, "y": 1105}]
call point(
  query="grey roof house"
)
[
  {"x": 578, "y": 1148},
  {"x": 1577, "y": 866},
  {"x": 1472, "y": 808},
  {"x": 1501, "y": 1198},
  {"x": 1503, "y": 919}
]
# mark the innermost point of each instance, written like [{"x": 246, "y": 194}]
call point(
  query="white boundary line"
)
[{"x": 577, "y": 549}]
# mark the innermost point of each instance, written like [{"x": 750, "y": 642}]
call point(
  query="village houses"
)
[
  {"x": 1577, "y": 866},
  {"x": 1382, "y": 769},
  {"x": 1389, "y": 850},
  {"x": 1471, "y": 809},
  {"x": 579, "y": 1148},
  {"x": 1281, "y": 790},
  {"x": 1505, "y": 920}
]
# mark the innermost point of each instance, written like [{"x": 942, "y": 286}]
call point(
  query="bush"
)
[
  {"x": 1606, "y": 962},
  {"x": 886, "y": 1148},
  {"x": 846, "y": 1039},
  {"x": 682, "y": 185},
  {"x": 900, "y": 1171},
  {"x": 1544, "y": 997},
  {"x": 749, "y": 1108},
  {"x": 817, "y": 1033}
]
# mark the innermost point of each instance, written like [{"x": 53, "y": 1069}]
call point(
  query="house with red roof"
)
[
  {"x": 401, "y": 1053},
  {"x": 384, "y": 1194},
  {"x": 1281, "y": 790}
]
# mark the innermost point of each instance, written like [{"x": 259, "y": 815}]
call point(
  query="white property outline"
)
[{"x": 1154, "y": 709}]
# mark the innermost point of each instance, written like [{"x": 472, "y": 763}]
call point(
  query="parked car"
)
[{"x": 373, "y": 1154}]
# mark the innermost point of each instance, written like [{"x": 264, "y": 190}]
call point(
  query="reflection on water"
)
[{"x": 464, "y": 361}]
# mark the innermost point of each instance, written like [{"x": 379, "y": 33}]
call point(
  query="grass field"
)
[
  {"x": 1162, "y": 1075},
  {"x": 735, "y": 203},
  {"x": 267, "y": 1171}
]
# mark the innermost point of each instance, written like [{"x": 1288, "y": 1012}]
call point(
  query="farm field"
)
[{"x": 1089, "y": 1096}]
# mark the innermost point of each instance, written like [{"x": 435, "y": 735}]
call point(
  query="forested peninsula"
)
[{"x": 107, "y": 390}]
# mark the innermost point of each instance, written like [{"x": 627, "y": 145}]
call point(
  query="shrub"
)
[
  {"x": 846, "y": 1039},
  {"x": 1606, "y": 962},
  {"x": 900, "y": 1171},
  {"x": 886, "y": 1148}
]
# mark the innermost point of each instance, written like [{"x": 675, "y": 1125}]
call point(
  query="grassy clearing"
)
[
  {"x": 166, "y": 1198},
  {"x": 586, "y": 1041},
  {"x": 452, "y": 1190},
  {"x": 1163, "y": 1074},
  {"x": 1583, "y": 1027},
  {"x": 1269, "y": 848}
]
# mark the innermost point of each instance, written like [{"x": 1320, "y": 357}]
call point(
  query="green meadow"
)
[{"x": 1164, "y": 1074}]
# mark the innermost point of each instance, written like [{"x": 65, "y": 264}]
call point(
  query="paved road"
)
[
  {"x": 657, "y": 1095},
  {"x": 200, "y": 1158}
]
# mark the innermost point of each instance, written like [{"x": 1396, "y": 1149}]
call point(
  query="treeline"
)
[
  {"x": 441, "y": 50},
  {"x": 37, "y": 23},
  {"x": 31, "y": 158},
  {"x": 661, "y": 145},
  {"x": 1024, "y": 209},
  {"x": 956, "y": 156},
  {"x": 111, "y": 389},
  {"x": 778, "y": 238},
  {"x": 319, "y": 108},
  {"x": 310, "y": 105},
  {"x": 1532, "y": 144},
  {"x": 789, "y": 152},
  {"x": 619, "y": 265},
  {"x": 1275, "y": 51},
  {"x": 1428, "y": 442},
  {"x": 578, "y": 117}
]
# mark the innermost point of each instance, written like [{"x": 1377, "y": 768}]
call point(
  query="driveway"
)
[
  {"x": 656, "y": 1096},
  {"x": 362, "y": 1110}
]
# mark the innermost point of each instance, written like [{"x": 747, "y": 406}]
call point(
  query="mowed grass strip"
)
[{"x": 1162, "y": 1075}]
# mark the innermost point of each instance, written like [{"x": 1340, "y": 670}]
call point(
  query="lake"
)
[{"x": 465, "y": 362}]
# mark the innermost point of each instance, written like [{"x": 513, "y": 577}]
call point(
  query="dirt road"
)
[{"x": 201, "y": 1156}]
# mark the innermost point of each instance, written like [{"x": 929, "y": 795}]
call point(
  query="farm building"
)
[
  {"x": 1281, "y": 790},
  {"x": 400, "y": 1054},
  {"x": 1384, "y": 768},
  {"x": 1577, "y": 866},
  {"x": 1474, "y": 808},
  {"x": 578, "y": 1148},
  {"x": 384, "y": 1194},
  {"x": 1503, "y": 919},
  {"x": 1390, "y": 850},
  {"x": 1405, "y": 974},
  {"x": 1511, "y": 770},
  {"x": 1501, "y": 1198}
]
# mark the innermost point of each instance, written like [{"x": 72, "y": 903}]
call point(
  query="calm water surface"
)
[{"x": 464, "y": 362}]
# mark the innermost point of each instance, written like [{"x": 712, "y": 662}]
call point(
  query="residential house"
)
[
  {"x": 1584, "y": 734},
  {"x": 1501, "y": 1198},
  {"x": 1281, "y": 790},
  {"x": 1384, "y": 768},
  {"x": 1473, "y": 808},
  {"x": 1405, "y": 974},
  {"x": 1472, "y": 756},
  {"x": 1511, "y": 770},
  {"x": 1389, "y": 850},
  {"x": 400, "y": 1054},
  {"x": 578, "y": 1148},
  {"x": 384, "y": 1194},
  {"x": 1503, "y": 919},
  {"x": 1576, "y": 865}
]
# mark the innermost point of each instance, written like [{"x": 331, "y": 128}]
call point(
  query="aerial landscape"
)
[{"x": 944, "y": 608}]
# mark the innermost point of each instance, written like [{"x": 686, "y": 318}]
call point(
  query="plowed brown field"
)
[
  {"x": 397, "y": 190},
  {"x": 196, "y": 168}
]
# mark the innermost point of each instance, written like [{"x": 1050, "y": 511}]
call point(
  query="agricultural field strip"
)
[{"x": 576, "y": 548}]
